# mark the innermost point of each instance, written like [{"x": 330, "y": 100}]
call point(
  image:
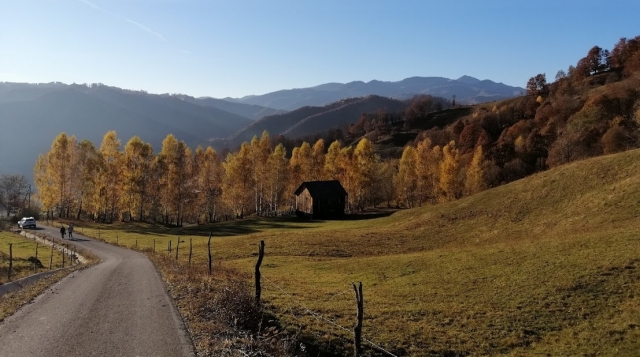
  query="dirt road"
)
[{"x": 116, "y": 308}]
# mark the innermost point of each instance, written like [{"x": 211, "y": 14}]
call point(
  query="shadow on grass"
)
[{"x": 218, "y": 229}]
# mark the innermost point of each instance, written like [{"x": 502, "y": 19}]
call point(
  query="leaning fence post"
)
[
  {"x": 63, "y": 254},
  {"x": 209, "y": 249},
  {"x": 10, "y": 261},
  {"x": 190, "y": 249},
  {"x": 357, "y": 329},
  {"x": 257, "y": 272},
  {"x": 169, "y": 247}
]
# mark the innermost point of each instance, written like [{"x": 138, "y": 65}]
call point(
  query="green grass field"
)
[
  {"x": 24, "y": 248},
  {"x": 548, "y": 265}
]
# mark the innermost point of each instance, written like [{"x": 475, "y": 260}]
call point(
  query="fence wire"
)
[{"x": 321, "y": 318}]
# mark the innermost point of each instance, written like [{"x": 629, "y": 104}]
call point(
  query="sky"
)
[{"x": 233, "y": 48}]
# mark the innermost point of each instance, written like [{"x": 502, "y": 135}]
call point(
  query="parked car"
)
[{"x": 27, "y": 222}]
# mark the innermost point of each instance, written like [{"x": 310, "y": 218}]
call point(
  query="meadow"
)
[
  {"x": 547, "y": 265},
  {"x": 23, "y": 249}
]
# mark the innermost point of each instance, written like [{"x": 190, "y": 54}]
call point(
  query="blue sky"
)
[{"x": 233, "y": 48}]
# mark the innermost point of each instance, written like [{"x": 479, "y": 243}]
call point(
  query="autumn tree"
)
[
  {"x": 51, "y": 175},
  {"x": 13, "y": 192},
  {"x": 332, "y": 170},
  {"x": 347, "y": 166},
  {"x": 86, "y": 165},
  {"x": 426, "y": 170},
  {"x": 537, "y": 85},
  {"x": 363, "y": 172},
  {"x": 317, "y": 160},
  {"x": 209, "y": 173},
  {"x": 449, "y": 169},
  {"x": 136, "y": 174},
  {"x": 177, "y": 183},
  {"x": 406, "y": 179},
  {"x": 260, "y": 151},
  {"x": 277, "y": 176},
  {"x": 474, "y": 177},
  {"x": 382, "y": 187},
  {"x": 238, "y": 180}
]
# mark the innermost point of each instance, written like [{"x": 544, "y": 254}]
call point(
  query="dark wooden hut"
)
[{"x": 321, "y": 199}]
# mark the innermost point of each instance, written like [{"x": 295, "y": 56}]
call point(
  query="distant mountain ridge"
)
[
  {"x": 251, "y": 111},
  {"x": 468, "y": 90},
  {"x": 31, "y": 116}
]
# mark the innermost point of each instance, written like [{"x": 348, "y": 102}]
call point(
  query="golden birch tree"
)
[
  {"x": 406, "y": 179},
  {"x": 109, "y": 187},
  {"x": 277, "y": 174},
  {"x": 474, "y": 178},
  {"x": 449, "y": 169}
]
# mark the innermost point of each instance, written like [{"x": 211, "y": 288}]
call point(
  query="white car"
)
[{"x": 27, "y": 222}]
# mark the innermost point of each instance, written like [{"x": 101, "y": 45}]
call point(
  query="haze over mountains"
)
[{"x": 32, "y": 115}]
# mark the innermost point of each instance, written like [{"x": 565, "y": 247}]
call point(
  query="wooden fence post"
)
[
  {"x": 209, "y": 249},
  {"x": 63, "y": 254},
  {"x": 257, "y": 272},
  {"x": 357, "y": 329},
  {"x": 177, "y": 248},
  {"x": 35, "y": 264},
  {"x": 169, "y": 247},
  {"x": 190, "y": 249},
  {"x": 10, "y": 261},
  {"x": 51, "y": 256},
  {"x": 154, "y": 245},
  {"x": 117, "y": 240},
  {"x": 136, "y": 244}
]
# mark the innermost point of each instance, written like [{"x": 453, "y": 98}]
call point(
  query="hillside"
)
[
  {"x": 311, "y": 120},
  {"x": 547, "y": 265},
  {"x": 468, "y": 90},
  {"x": 32, "y": 115}
]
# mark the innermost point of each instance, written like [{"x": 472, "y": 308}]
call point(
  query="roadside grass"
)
[
  {"x": 548, "y": 265},
  {"x": 23, "y": 249},
  {"x": 11, "y": 302}
]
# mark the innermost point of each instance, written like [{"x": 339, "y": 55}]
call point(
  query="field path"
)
[{"x": 118, "y": 307}]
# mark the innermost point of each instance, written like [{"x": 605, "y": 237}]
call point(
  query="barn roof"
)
[{"x": 322, "y": 188}]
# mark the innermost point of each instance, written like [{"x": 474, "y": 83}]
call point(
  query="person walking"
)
[
  {"x": 70, "y": 230},
  {"x": 62, "y": 231}
]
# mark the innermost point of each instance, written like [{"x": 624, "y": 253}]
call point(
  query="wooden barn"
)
[{"x": 321, "y": 199}]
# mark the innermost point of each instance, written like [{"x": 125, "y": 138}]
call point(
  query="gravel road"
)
[{"x": 118, "y": 307}]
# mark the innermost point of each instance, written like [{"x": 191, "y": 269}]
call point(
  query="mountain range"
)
[
  {"x": 31, "y": 115},
  {"x": 468, "y": 90}
]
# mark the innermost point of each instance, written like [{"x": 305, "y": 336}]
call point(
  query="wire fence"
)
[{"x": 320, "y": 318}]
